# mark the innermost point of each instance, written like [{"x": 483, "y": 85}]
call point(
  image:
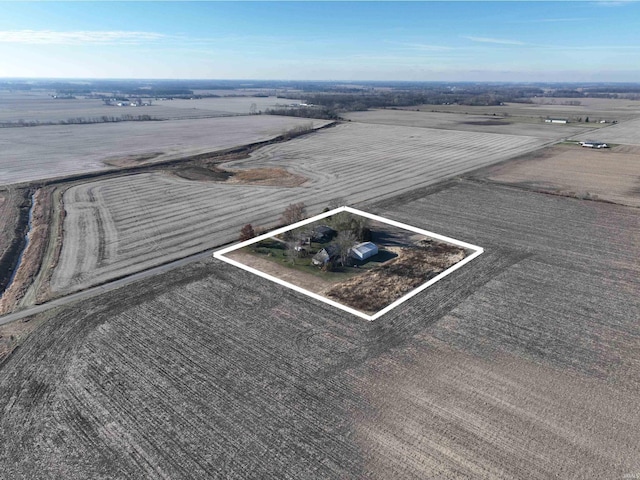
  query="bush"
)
[{"x": 247, "y": 233}]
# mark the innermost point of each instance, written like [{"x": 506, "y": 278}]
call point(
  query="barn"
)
[{"x": 364, "y": 250}]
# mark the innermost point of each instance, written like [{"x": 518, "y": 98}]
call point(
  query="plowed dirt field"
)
[{"x": 523, "y": 365}]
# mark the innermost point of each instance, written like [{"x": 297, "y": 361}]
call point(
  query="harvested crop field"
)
[
  {"x": 228, "y": 105},
  {"x": 43, "y": 109},
  {"x": 534, "y": 126},
  {"x": 122, "y": 225},
  {"x": 626, "y": 133},
  {"x": 523, "y": 365},
  {"x": 576, "y": 172},
  {"x": 595, "y": 108},
  {"x": 59, "y": 150}
]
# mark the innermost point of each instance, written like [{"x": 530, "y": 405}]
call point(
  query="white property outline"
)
[{"x": 477, "y": 251}]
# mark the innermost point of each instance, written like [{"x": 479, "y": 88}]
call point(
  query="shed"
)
[{"x": 364, "y": 250}]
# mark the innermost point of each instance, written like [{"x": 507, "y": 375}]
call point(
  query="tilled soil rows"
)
[{"x": 523, "y": 364}]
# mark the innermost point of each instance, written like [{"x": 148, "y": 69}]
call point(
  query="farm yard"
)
[
  {"x": 523, "y": 364},
  {"x": 118, "y": 226},
  {"x": 391, "y": 261},
  {"x": 487, "y": 123},
  {"x": 571, "y": 170},
  {"x": 37, "y": 153}
]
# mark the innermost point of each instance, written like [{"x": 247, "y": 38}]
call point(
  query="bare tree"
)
[
  {"x": 345, "y": 241},
  {"x": 295, "y": 212},
  {"x": 293, "y": 248},
  {"x": 247, "y": 232}
]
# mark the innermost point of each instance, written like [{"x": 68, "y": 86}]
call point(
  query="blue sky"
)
[{"x": 458, "y": 41}]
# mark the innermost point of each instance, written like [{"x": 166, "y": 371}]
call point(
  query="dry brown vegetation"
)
[
  {"x": 33, "y": 254},
  {"x": 277, "y": 177},
  {"x": 10, "y": 202},
  {"x": 386, "y": 283}
]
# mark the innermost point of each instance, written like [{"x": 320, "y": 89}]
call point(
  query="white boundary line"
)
[{"x": 477, "y": 251}]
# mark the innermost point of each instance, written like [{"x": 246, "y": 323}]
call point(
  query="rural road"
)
[{"x": 91, "y": 292}]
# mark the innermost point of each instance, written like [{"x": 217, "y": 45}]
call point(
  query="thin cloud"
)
[
  {"x": 425, "y": 47},
  {"x": 498, "y": 41},
  {"x": 50, "y": 37},
  {"x": 560, "y": 20},
  {"x": 615, "y": 3}
]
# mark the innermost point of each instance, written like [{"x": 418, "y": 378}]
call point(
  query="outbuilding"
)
[
  {"x": 556, "y": 120},
  {"x": 364, "y": 250},
  {"x": 328, "y": 254}
]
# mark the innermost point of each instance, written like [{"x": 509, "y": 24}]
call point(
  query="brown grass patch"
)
[
  {"x": 277, "y": 177},
  {"x": 383, "y": 285}
]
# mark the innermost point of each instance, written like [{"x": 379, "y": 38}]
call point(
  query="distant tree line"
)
[{"x": 79, "y": 121}]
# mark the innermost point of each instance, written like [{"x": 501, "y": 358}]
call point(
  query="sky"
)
[{"x": 506, "y": 41}]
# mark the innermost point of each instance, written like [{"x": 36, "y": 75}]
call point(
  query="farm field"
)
[
  {"x": 122, "y": 225},
  {"x": 523, "y": 365},
  {"x": 530, "y": 126},
  {"x": 41, "y": 107},
  {"x": 627, "y": 133},
  {"x": 36, "y": 153},
  {"x": 596, "y": 108},
  {"x": 45, "y": 109},
  {"x": 576, "y": 172},
  {"x": 228, "y": 105}
]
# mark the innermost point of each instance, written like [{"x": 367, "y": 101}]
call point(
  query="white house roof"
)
[{"x": 365, "y": 249}]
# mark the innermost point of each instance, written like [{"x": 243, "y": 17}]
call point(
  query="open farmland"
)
[
  {"x": 122, "y": 225},
  {"x": 576, "y": 172},
  {"x": 53, "y": 151},
  {"x": 523, "y": 365},
  {"x": 21, "y": 108},
  {"x": 40, "y": 106},
  {"x": 228, "y": 105},
  {"x": 594, "y": 108},
  {"x": 531, "y": 126},
  {"x": 627, "y": 133}
]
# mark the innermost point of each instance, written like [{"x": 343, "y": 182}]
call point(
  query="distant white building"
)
[
  {"x": 364, "y": 250},
  {"x": 592, "y": 144},
  {"x": 556, "y": 120}
]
